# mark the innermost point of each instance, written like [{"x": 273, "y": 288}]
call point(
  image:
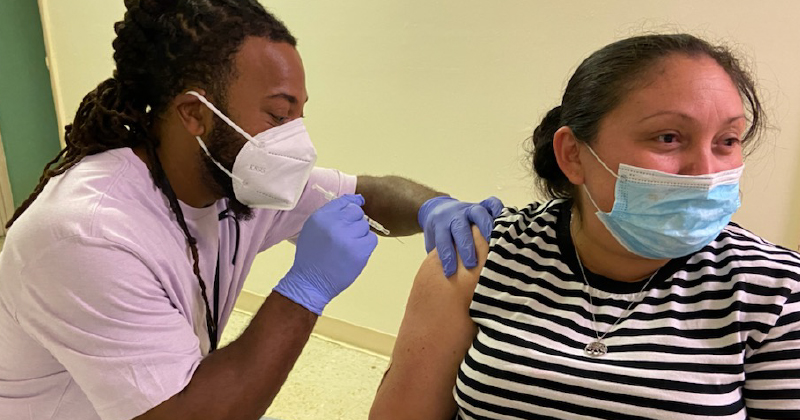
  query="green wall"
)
[{"x": 28, "y": 124}]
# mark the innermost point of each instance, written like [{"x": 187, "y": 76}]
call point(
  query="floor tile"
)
[{"x": 329, "y": 382}]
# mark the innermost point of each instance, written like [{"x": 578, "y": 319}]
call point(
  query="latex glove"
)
[
  {"x": 445, "y": 220},
  {"x": 334, "y": 245}
]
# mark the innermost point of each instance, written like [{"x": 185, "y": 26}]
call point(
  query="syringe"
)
[{"x": 373, "y": 224}]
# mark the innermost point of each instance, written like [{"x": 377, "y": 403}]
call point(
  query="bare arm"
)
[
  {"x": 240, "y": 381},
  {"x": 434, "y": 337},
  {"x": 394, "y": 202}
]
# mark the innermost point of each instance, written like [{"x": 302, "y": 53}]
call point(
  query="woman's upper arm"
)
[{"x": 434, "y": 336}]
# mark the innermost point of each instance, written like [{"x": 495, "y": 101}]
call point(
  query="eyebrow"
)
[
  {"x": 289, "y": 98},
  {"x": 687, "y": 116}
]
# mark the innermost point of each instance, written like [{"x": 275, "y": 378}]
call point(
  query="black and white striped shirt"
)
[{"x": 715, "y": 335}]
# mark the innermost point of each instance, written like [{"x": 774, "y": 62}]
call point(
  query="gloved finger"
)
[
  {"x": 358, "y": 228},
  {"x": 356, "y": 199},
  {"x": 482, "y": 219},
  {"x": 338, "y": 203},
  {"x": 447, "y": 252},
  {"x": 465, "y": 243},
  {"x": 351, "y": 213},
  {"x": 363, "y": 247},
  {"x": 493, "y": 205},
  {"x": 371, "y": 242},
  {"x": 430, "y": 239}
]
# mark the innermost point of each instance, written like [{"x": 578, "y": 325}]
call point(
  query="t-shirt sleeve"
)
[
  {"x": 103, "y": 314},
  {"x": 772, "y": 385},
  {"x": 287, "y": 224}
]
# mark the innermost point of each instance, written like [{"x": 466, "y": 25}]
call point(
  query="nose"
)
[
  {"x": 297, "y": 111},
  {"x": 700, "y": 160}
]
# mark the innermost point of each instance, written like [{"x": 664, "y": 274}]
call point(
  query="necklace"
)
[{"x": 597, "y": 348}]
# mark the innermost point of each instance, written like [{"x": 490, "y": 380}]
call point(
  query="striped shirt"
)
[{"x": 716, "y": 334}]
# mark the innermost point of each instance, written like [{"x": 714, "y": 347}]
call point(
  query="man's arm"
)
[
  {"x": 405, "y": 207},
  {"x": 394, "y": 202},
  {"x": 240, "y": 380}
]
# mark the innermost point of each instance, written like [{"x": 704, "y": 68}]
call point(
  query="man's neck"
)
[{"x": 182, "y": 168}]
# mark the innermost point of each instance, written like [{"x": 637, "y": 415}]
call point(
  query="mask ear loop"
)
[
  {"x": 221, "y": 115},
  {"x": 230, "y": 123},
  {"x": 219, "y": 165},
  {"x": 605, "y": 166},
  {"x": 601, "y": 161}
]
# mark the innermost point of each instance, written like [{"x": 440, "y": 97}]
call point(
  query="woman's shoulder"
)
[
  {"x": 745, "y": 255},
  {"x": 534, "y": 209},
  {"x": 736, "y": 239},
  {"x": 540, "y": 213}
]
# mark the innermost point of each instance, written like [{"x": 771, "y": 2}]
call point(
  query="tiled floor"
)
[{"x": 329, "y": 381}]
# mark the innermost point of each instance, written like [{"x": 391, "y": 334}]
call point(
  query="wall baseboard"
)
[{"x": 353, "y": 336}]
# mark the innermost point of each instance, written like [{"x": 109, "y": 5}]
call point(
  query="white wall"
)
[{"x": 446, "y": 91}]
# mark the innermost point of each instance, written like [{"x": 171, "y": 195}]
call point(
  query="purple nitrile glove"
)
[
  {"x": 445, "y": 221},
  {"x": 332, "y": 250}
]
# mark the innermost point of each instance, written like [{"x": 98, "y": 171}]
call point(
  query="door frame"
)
[{"x": 6, "y": 200}]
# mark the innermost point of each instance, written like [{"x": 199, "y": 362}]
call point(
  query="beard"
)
[{"x": 224, "y": 144}]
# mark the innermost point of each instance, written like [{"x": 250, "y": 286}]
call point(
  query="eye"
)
[
  {"x": 731, "y": 141},
  {"x": 278, "y": 118},
  {"x": 667, "y": 138}
]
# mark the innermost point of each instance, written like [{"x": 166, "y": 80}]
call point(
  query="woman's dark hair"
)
[
  {"x": 602, "y": 81},
  {"x": 162, "y": 48}
]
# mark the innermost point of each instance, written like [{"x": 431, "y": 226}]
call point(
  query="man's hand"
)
[
  {"x": 332, "y": 250},
  {"x": 445, "y": 221}
]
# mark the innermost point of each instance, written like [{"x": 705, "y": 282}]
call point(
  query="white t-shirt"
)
[{"x": 101, "y": 315}]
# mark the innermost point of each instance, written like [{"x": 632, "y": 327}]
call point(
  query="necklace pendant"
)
[{"x": 596, "y": 349}]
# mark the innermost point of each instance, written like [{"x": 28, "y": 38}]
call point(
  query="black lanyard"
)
[{"x": 212, "y": 332}]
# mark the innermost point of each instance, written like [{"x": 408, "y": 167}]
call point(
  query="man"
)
[{"x": 120, "y": 269}]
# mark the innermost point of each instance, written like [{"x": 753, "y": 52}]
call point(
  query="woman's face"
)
[{"x": 685, "y": 116}]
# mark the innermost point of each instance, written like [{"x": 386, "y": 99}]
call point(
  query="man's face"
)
[{"x": 267, "y": 89}]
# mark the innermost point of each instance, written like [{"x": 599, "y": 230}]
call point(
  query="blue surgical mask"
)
[{"x": 659, "y": 215}]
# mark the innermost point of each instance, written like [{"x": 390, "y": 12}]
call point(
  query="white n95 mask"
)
[{"x": 273, "y": 167}]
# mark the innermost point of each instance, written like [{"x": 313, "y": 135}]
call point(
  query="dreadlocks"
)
[{"x": 162, "y": 48}]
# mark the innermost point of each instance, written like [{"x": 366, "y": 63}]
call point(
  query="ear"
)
[
  {"x": 193, "y": 114},
  {"x": 567, "y": 150}
]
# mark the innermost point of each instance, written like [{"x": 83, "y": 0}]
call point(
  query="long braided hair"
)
[{"x": 162, "y": 48}]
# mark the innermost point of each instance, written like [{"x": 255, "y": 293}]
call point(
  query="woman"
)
[{"x": 629, "y": 294}]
